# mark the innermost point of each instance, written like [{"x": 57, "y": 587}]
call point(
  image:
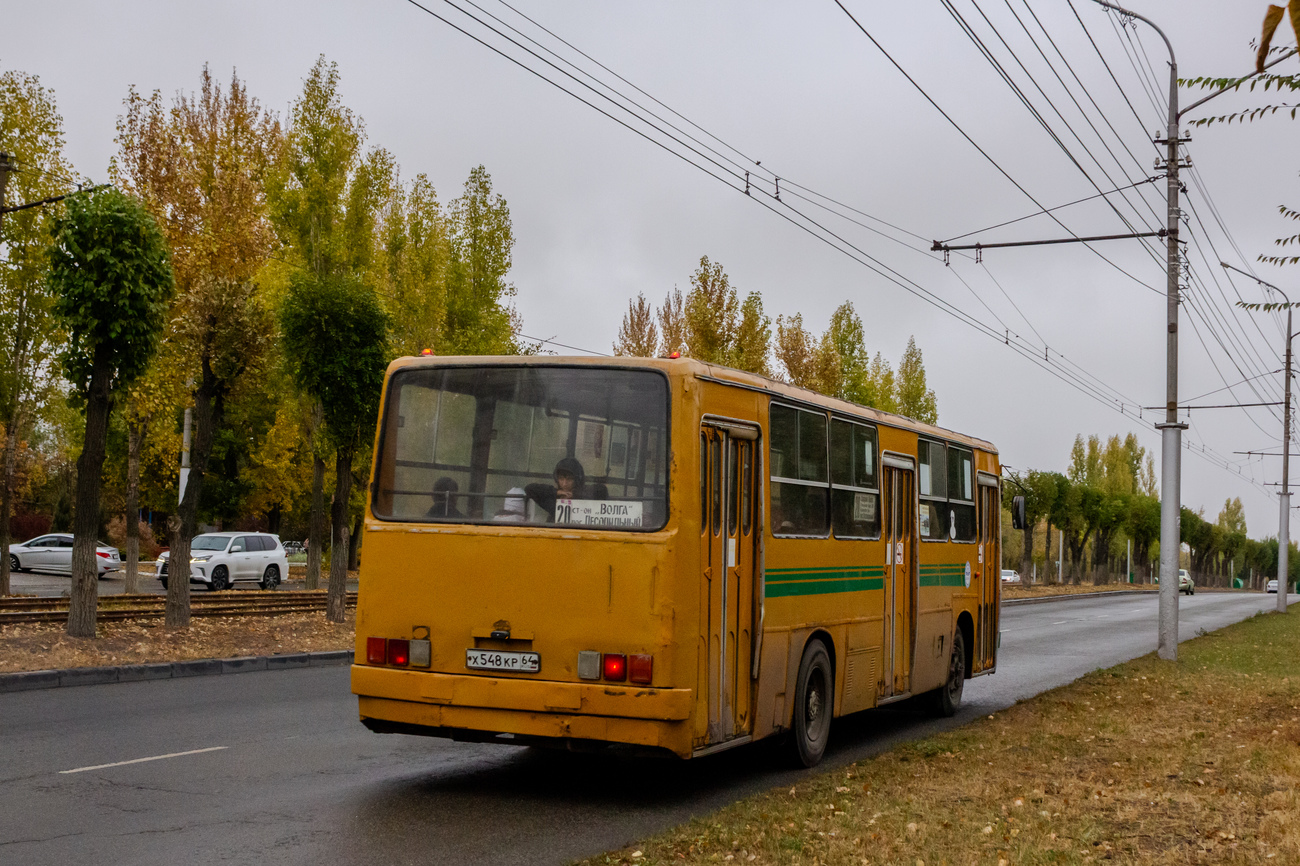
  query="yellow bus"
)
[{"x": 663, "y": 553}]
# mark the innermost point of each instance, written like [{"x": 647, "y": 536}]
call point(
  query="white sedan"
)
[
  {"x": 53, "y": 553},
  {"x": 1272, "y": 586}
]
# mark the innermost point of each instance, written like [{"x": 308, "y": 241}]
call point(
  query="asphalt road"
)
[{"x": 289, "y": 776}]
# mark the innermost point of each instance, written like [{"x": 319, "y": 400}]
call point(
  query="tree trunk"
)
[
  {"x": 336, "y": 603},
  {"x": 6, "y": 498},
  {"x": 209, "y": 409},
  {"x": 134, "y": 439},
  {"x": 83, "y": 603},
  {"x": 316, "y": 530},
  {"x": 354, "y": 545},
  {"x": 1047, "y": 556},
  {"x": 1027, "y": 556}
]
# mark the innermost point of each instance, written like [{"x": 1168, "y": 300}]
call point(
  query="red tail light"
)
[
  {"x": 376, "y": 650},
  {"x": 641, "y": 667},
  {"x": 399, "y": 652},
  {"x": 101, "y": 553},
  {"x": 615, "y": 667}
]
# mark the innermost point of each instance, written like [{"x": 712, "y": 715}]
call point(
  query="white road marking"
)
[
  {"x": 143, "y": 760},
  {"x": 1062, "y": 622}
]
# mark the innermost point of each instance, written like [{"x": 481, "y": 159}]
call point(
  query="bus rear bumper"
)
[{"x": 450, "y": 705}]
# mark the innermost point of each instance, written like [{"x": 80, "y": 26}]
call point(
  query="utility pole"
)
[
  {"x": 1171, "y": 430},
  {"x": 1284, "y": 500}
]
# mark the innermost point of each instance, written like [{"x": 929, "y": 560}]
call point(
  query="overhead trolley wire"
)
[
  {"x": 785, "y": 210},
  {"x": 969, "y": 30}
]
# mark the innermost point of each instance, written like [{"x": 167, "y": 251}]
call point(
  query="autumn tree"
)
[
  {"x": 111, "y": 277},
  {"x": 1233, "y": 516},
  {"x": 637, "y": 335},
  {"x": 335, "y": 333},
  {"x": 752, "y": 346},
  {"x": 31, "y": 133},
  {"x": 672, "y": 323},
  {"x": 200, "y": 166},
  {"x": 915, "y": 399}
]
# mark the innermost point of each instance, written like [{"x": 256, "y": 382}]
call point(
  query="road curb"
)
[
  {"x": 1012, "y": 602},
  {"x": 24, "y": 681}
]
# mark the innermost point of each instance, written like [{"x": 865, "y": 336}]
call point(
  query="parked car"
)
[
  {"x": 52, "y": 552},
  {"x": 219, "y": 559},
  {"x": 1271, "y": 586},
  {"x": 293, "y": 547},
  {"x": 1010, "y": 575},
  {"x": 1185, "y": 582}
]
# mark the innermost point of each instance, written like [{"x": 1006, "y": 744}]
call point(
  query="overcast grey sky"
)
[{"x": 601, "y": 214}]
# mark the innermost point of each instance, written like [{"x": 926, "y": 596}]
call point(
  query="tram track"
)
[{"x": 127, "y": 607}]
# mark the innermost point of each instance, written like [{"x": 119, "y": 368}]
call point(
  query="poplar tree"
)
[
  {"x": 637, "y": 335},
  {"x": 712, "y": 314},
  {"x": 672, "y": 323},
  {"x": 111, "y": 277},
  {"x": 480, "y": 318},
  {"x": 31, "y": 133},
  {"x": 915, "y": 399},
  {"x": 752, "y": 346}
]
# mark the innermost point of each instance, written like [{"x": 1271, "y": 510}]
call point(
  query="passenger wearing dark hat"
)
[{"x": 570, "y": 483}]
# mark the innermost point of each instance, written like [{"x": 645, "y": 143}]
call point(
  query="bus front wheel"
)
[
  {"x": 947, "y": 698},
  {"x": 813, "y": 705}
]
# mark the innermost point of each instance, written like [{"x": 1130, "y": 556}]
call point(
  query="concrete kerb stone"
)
[{"x": 22, "y": 681}]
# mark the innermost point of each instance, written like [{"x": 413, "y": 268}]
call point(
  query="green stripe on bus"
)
[
  {"x": 945, "y": 579},
  {"x": 867, "y": 570},
  {"x": 821, "y": 587}
]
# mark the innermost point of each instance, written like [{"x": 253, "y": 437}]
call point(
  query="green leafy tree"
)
[
  {"x": 752, "y": 346},
  {"x": 111, "y": 277},
  {"x": 1039, "y": 490},
  {"x": 1232, "y": 518},
  {"x": 637, "y": 335},
  {"x": 846, "y": 334},
  {"x": 412, "y": 267},
  {"x": 31, "y": 133},
  {"x": 322, "y": 198},
  {"x": 480, "y": 320},
  {"x": 712, "y": 314},
  {"x": 335, "y": 333},
  {"x": 1144, "y": 528},
  {"x": 915, "y": 399}
]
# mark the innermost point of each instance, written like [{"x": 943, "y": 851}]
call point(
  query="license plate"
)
[{"x": 495, "y": 660}]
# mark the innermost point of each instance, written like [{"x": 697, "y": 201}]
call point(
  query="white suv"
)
[{"x": 218, "y": 559}]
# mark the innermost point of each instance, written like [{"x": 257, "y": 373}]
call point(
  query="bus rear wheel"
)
[
  {"x": 813, "y": 705},
  {"x": 947, "y": 698}
]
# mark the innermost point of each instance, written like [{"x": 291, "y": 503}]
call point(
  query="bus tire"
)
[
  {"x": 947, "y": 698},
  {"x": 814, "y": 699}
]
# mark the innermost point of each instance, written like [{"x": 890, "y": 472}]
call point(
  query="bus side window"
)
[
  {"x": 746, "y": 486},
  {"x": 715, "y": 459},
  {"x": 733, "y": 494},
  {"x": 704, "y": 484}
]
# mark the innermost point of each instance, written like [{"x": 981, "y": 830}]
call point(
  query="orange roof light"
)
[
  {"x": 674, "y": 355},
  {"x": 426, "y": 352}
]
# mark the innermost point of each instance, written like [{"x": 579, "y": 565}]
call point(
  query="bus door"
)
[
  {"x": 986, "y": 642},
  {"x": 901, "y": 576},
  {"x": 729, "y": 528}
]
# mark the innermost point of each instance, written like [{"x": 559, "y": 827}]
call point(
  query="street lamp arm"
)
[
  {"x": 1256, "y": 279},
  {"x": 1143, "y": 19}
]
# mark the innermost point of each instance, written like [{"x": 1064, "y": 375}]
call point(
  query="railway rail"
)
[{"x": 123, "y": 607}]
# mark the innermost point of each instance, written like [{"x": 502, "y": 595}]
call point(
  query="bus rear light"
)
[
  {"x": 615, "y": 667},
  {"x": 640, "y": 668},
  {"x": 588, "y": 665},
  {"x": 399, "y": 652},
  {"x": 376, "y": 651}
]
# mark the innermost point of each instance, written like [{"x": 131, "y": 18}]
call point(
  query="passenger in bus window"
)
[
  {"x": 512, "y": 509},
  {"x": 570, "y": 483},
  {"x": 444, "y": 499}
]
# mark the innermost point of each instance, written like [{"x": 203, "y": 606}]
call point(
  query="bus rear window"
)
[{"x": 539, "y": 445}]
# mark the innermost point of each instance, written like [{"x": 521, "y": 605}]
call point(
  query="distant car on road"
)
[
  {"x": 53, "y": 553},
  {"x": 218, "y": 559},
  {"x": 1010, "y": 575},
  {"x": 1271, "y": 586},
  {"x": 1185, "y": 582}
]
